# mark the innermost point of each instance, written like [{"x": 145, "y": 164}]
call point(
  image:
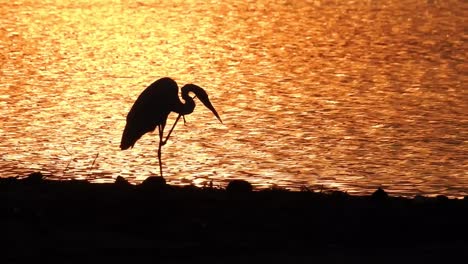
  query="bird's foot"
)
[{"x": 183, "y": 117}]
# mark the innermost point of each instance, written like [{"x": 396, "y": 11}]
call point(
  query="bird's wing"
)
[{"x": 149, "y": 110}]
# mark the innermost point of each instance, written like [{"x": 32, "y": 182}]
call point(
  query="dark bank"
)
[{"x": 77, "y": 221}]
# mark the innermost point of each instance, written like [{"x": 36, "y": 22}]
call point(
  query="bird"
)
[{"x": 153, "y": 106}]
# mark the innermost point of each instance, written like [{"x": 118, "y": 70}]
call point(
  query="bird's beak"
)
[{"x": 203, "y": 96}]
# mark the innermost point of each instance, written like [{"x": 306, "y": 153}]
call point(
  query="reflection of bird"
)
[{"x": 154, "y": 105}]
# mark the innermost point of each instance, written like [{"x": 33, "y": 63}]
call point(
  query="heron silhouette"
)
[{"x": 154, "y": 105}]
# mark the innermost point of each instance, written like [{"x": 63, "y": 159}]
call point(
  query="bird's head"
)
[{"x": 201, "y": 94}]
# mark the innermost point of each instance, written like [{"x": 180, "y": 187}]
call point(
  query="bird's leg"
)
[
  {"x": 173, "y": 126},
  {"x": 159, "y": 148},
  {"x": 170, "y": 131}
]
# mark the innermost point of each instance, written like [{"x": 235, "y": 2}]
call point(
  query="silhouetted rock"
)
[
  {"x": 121, "y": 181},
  {"x": 442, "y": 198},
  {"x": 34, "y": 178},
  {"x": 154, "y": 182},
  {"x": 239, "y": 186},
  {"x": 9, "y": 180},
  {"x": 419, "y": 199},
  {"x": 379, "y": 195}
]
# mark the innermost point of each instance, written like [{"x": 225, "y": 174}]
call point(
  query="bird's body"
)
[
  {"x": 153, "y": 106},
  {"x": 151, "y": 109}
]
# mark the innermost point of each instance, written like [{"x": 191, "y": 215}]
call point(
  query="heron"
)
[{"x": 153, "y": 106}]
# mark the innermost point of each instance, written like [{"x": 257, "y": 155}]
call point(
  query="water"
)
[{"x": 351, "y": 95}]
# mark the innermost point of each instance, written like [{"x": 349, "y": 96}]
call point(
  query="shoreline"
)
[
  {"x": 154, "y": 220},
  {"x": 256, "y": 186}
]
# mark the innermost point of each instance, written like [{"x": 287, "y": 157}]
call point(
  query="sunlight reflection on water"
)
[{"x": 342, "y": 95}]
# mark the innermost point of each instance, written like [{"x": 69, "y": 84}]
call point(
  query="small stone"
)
[
  {"x": 239, "y": 186},
  {"x": 34, "y": 178},
  {"x": 379, "y": 194},
  {"x": 121, "y": 181},
  {"x": 419, "y": 199},
  {"x": 442, "y": 198},
  {"x": 154, "y": 182}
]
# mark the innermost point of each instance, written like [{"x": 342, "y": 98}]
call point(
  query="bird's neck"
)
[{"x": 187, "y": 108}]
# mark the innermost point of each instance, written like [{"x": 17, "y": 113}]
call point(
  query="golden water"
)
[{"x": 341, "y": 94}]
